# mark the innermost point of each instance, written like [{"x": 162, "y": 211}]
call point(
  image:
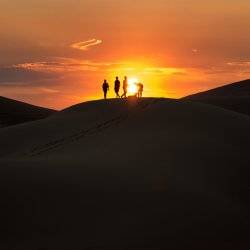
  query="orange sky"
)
[{"x": 55, "y": 53}]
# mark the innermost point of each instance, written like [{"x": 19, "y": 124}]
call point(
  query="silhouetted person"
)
[
  {"x": 105, "y": 88},
  {"x": 125, "y": 87},
  {"x": 117, "y": 87},
  {"x": 137, "y": 88},
  {"x": 140, "y": 89}
]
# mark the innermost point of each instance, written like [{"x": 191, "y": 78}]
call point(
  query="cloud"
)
[
  {"x": 58, "y": 66},
  {"x": 164, "y": 71},
  {"x": 49, "y": 90},
  {"x": 195, "y": 51},
  {"x": 64, "y": 65},
  {"x": 12, "y": 74},
  {"x": 85, "y": 45},
  {"x": 47, "y": 73},
  {"x": 233, "y": 67},
  {"x": 239, "y": 67},
  {"x": 239, "y": 64}
]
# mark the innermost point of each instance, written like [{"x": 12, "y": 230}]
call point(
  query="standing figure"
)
[
  {"x": 140, "y": 89},
  {"x": 105, "y": 88},
  {"x": 117, "y": 87},
  {"x": 125, "y": 87}
]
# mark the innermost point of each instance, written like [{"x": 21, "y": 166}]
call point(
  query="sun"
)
[{"x": 132, "y": 87}]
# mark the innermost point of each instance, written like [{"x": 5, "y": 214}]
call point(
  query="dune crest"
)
[
  {"x": 235, "y": 97},
  {"x": 15, "y": 112}
]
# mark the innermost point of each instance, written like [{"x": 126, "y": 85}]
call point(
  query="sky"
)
[{"x": 55, "y": 53}]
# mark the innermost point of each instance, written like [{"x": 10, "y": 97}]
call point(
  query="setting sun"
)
[{"x": 132, "y": 88}]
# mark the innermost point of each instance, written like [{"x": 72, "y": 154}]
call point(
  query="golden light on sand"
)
[{"x": 132, "y": 87}]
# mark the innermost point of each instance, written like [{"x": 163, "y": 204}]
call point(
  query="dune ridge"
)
[
  {"x": 235, "y": 97},
  {"x": 15, "y": 112}
]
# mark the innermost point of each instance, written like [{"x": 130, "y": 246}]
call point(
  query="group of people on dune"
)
[{"x": 117, "y": 85}]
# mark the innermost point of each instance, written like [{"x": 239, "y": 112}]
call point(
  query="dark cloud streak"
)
[{"x": 13, "y": 74}]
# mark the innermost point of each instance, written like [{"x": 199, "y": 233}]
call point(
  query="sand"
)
[
  {"x": 127, "y": 174},
  {"x": 13, "y": 112},
  {"x": 235, "y": 97}
]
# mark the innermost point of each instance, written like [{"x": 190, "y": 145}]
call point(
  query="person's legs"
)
[{"x": 124, "y": 94}]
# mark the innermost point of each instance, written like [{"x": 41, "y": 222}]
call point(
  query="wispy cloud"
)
[
  {"x": 164, "y": 71},
  {"x": 239, "y": 63},
  {"x": 195, "y": 51},
  {"x": 241, "y": 68},
  {"x": 58, "y": 66},
  {"x": 16, "y": 74},
  {"x": 85, "y": 45},
  {"x": 64, "y": 65}
]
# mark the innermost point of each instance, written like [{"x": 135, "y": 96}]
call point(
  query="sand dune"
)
[
  {"x": 235, "y": 96},
  {"x": 14, "y": 112},
  {"x": 127, "y": 174}
]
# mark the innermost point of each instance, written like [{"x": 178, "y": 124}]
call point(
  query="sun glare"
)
[{"x": 132, "y": 88}]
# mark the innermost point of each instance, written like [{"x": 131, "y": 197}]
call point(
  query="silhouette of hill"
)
[
  {"x": 13, "y": 112},
  {"x": 127, "y": 174},
  {"x": 235, "y": 96}
]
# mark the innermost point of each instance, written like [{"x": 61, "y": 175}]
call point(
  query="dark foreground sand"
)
[{"x": 117, "y": 174}]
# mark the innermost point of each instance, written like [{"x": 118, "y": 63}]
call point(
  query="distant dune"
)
[
  {"x": 234, "y": 97},
  {"x": 127, "y": 174},
  {"x": 13, "y": 112}
]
